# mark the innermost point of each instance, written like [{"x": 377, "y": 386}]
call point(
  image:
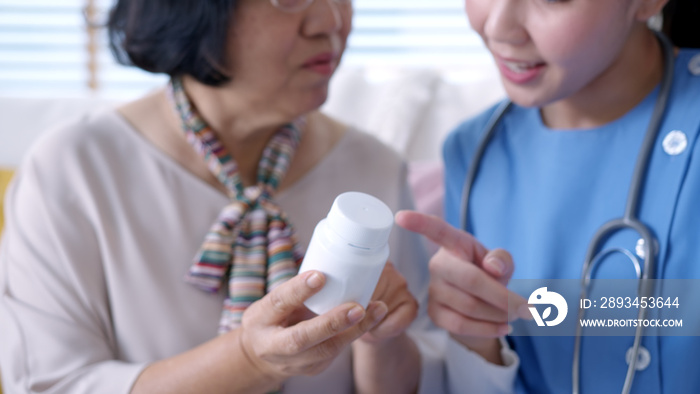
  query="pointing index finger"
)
[{"x": 456, "y": 241}]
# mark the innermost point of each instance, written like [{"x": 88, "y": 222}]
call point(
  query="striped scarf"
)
[{"x": 252, "y": 243}]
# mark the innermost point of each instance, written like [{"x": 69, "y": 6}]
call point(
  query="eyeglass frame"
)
[{"x": 303, "y": 4}]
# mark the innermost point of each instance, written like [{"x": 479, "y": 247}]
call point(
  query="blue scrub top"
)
[{"x": 541, "y": 194}]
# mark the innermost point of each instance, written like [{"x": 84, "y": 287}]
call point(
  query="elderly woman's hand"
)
[{"x": 278, "y": 340}]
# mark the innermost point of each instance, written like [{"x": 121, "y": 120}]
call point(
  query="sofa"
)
[{"x": 411, "y": 110}]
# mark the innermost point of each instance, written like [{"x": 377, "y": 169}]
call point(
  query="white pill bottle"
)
[{"x": 350, "y": 246}]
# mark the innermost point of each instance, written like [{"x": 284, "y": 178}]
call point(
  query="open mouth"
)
[
  {"x": 521, "y": 67},
  {"x": 519, "y": 71}
]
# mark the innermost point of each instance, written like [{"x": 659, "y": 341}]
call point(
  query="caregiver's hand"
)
[
  {"x": 281, "y": 346},
  {"x": 468, "y": 295}
]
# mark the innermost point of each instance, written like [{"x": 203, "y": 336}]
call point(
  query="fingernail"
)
[
  {"x": 356, "y": 314},
  {"x": 524, "y": 312},
  {"x": 314, "y": 281},
  {"x": 497, "y": 265},
  {"x": 379, "y": 311}
]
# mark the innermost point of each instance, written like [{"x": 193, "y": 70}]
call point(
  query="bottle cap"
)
[{"x": 363, "y": 221}]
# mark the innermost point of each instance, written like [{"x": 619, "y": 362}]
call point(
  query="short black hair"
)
[
  {"x": 682, "y": 22},
  {"x": 175, "y": 37}
]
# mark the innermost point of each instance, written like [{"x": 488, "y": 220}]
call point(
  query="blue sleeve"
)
[{"x": 457, "y": 152}]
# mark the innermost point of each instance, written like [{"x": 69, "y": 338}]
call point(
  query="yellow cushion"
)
[{"x": 5, "y": 176}]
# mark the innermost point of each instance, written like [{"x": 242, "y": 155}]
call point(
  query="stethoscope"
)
[{"x": 645, "y": 271}]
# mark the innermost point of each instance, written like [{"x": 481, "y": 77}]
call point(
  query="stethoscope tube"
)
[
  {"x": 645, "y": 289},
  {"x": 628, "y": 221},
  {"x": 476, "y": 160}
]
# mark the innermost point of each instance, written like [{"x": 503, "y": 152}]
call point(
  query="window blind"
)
[
  {"x": 423, "y": 33},
  {"x": 42, "y": 48},
  {"x": 45, "y": 45}
]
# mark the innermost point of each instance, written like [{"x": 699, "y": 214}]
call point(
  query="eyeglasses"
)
[{"x": 293, "y": 6}]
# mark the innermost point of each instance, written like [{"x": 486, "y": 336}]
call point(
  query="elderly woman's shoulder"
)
[
  {"x": 74, "y": 158},
  {"x": 355, "y": 141},
  {"x": 75, "y": 138},
  {"x": 371, "y": 145},
  {"x": 352, "y": 143}
]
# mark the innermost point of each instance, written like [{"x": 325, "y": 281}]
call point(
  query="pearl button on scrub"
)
[
  {"x": 643, "y": 358},
  {"x": 694, "y": 65},
  {"x": 675, "y": 142}
]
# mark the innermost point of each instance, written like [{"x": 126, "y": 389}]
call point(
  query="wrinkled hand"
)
[
  {"x": 281, "y": 346},
  {"x": 468, "y": 295},
  {"x": 393, "y": 295}
]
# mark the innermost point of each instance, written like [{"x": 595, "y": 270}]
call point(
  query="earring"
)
[{"x": 656, "y": 22}]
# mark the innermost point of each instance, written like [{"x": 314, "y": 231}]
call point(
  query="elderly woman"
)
[{"x": 230, "y": 164}]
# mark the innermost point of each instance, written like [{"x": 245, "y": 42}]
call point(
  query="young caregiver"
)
[{"x": 603, "y": 125}]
